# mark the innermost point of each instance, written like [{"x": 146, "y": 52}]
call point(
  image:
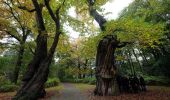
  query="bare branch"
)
[{"x": 123, "y": 44}]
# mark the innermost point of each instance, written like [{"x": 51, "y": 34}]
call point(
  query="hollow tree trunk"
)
[{"x": 105, "y": 67}]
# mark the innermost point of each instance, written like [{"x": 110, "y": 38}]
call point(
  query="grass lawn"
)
[{"x": 83, "y": 87}]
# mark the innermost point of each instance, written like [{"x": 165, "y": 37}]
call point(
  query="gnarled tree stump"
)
[{"x": 105, "y": 66}]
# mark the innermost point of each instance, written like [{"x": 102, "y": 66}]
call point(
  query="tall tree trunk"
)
[
  {"x": 79, "y": 69},
  {"x": 84, "y": 68},
  {"x": 33, "y": 88},
  {"x": 18, "y": 63},
  {"x": 39, "y": 67}
]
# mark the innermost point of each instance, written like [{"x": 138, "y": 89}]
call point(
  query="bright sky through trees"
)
[{"x": 113, "y": 8}]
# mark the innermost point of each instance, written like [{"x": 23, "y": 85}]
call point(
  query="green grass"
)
[
  {"x": 56, "y": 88},
  {"x": 160, "y": 88},
  {"x": 84, "y": 87}
]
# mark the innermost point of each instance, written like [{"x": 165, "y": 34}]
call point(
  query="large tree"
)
[
  {"x": 38, "y": 68},
  {"x": 105, "y": 60},
  {"x": 14, "y": 25}
]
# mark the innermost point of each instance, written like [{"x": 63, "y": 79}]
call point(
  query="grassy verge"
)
[
  {"x": 56, "y": 88},
  {"x": 84, "y": 87},
  {"x": 160, "y": 88}
]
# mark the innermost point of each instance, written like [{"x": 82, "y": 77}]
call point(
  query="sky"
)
[{"x": 113, "y": 7}]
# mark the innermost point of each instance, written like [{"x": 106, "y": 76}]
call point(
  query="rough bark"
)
[
  {"x": 40, "y": 52},
  {"x": 105, "y": 67},
  {"x": 33, "y": 86}
]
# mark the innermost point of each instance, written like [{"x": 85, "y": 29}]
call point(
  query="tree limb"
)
[
  {"x": 25, "y": 8},
  {"x": 38, "y": 8},
  {"x": 122, "y": 44},
  {"x": 14, "y": 15},
  {"x": 99, "y": 18},
  {"x": 33, "y": 52},
  {"x": 14, "y": 36}
]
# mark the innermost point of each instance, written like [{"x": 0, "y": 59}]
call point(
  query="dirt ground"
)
[
  {"x": 149, "y": 95},
  {"x": 79, "y": 91}
]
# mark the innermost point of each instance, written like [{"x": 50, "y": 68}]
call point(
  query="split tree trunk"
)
[{"x": 38, "y": 69}]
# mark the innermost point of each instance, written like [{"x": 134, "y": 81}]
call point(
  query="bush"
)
[
  {"x": 8, "y": 88},
  {"x": 51, "y": 82},
  {"x": 6, "y": 85},
  {"x": 68, "y": 80},
  {"x": 78, "y": 80},
  {"x": 157, "y": 80},
  {"x": 92, "y": 81}
]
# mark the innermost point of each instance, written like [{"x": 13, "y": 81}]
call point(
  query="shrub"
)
[
  {"x": 6, "y": 85},
  {"x": 157, "y": 80},
  {"x": 51, "y": 82},
  {"x": 8, "y": 88},
  {"x": 92, "y": 81},
  {"x": 78, "y": 81}
]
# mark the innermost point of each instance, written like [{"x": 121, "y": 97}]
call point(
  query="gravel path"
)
[{"x": 70, "y": 92}]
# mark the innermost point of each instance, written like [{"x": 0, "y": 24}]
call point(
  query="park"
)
[{"x": 84, "y": 50}]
